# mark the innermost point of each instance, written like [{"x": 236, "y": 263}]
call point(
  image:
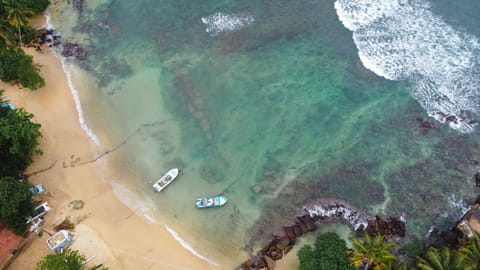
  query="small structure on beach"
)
[
  {"x": 59, "y": 241},
  {"x": 39, "y": 211}
]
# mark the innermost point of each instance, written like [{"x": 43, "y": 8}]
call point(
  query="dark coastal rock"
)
[
  {"x": 289, "y": 232},
  {"x": 309, "y": 223},
  {"x": 477, "y": 179},
  {"x": 79, "y": 5},
  {"x": 451, "y": 118},
  {"x": 283, "y": 243},
  {"x": 426, "y": 125},
  {"x": 319, "y": 211},
  {"x": 74, "y": 50},
  {"x": 298, "y": 232}
]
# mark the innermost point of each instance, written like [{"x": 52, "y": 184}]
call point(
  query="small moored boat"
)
[
  {"x": 165, "y": 180},
  {"x": 210, "y": 202}
]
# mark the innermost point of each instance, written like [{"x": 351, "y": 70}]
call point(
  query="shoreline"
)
[{"x": 105, "y": 226}]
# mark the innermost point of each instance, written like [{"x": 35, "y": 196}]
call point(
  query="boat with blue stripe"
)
[{"x": 211, "y": 201}]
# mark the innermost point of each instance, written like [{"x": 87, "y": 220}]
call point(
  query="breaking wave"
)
[
  {"x": 188, "y": 247},
  {"x": 220, "y": 22},
  {"x": 404, "y": 40}
]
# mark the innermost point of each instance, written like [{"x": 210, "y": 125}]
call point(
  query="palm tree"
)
[
  {"x": 371, "y": 253},
  {"x": 472, "y": 252},
  {"x": 5, "y": 42},
  {"x": 17, "y": 15},
  {"x": 442, "y": 259}
]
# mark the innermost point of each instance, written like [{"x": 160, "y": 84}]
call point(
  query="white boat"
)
[
  {"x": 165, "y": 180},
  {"x": 211, "y": 201},
  {"x": 61, "y": 240},
  {"x": 39, "y": 211}
]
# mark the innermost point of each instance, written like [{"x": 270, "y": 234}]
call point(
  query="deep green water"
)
[{"x": 283, "y": 104}]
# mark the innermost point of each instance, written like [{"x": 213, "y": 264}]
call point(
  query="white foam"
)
[
  {"x": 48, "y": 24},
  {"x": 188, "y": 247},
  {"x": 78, "y": 105},
  {"x": 404, "y": 40},
  {"x": 350, "y": 216},
  {"x": 221, "y": 22},
  {"x": 457, "y": 205},
  {"x": 72, "y": 88}
]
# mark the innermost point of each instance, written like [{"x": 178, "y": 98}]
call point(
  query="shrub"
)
[
  {"x": 15, "y": 204},
  {"x": 329, "y": 253}
]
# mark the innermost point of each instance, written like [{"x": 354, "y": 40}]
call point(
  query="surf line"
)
[
  {"x": 81, "y": 119},
  {"x": 188, "y": 247}
]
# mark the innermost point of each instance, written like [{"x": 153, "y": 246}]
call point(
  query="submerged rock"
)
[
  {"x": 74, "y": 50},
  {"x": 477, "y": 179},
  {"x": 257, "y": 188}
]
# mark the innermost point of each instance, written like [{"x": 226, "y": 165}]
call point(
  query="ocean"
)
[{"x": 276, "y": 103}]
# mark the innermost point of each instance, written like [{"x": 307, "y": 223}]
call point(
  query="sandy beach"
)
[{"x": 106, "y": 229}]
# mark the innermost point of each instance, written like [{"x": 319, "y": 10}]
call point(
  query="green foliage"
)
[
  {"x": 414, "y": 249},
  {"x": 68, "y": 260},
  {"x": 372, "y": 252},
  {"x": 15, "y": 65},
  {"x": 329, "y": 253},
  {"x": 442, "y": 259},
  {"x": 17, "y": 15},
  {"x": 27, "y": 74},
  {"x": 36, "y": 6},
  {"x": 15, "y": 204},
  {"x": 472, "y": 252},
  {"x": 18, "y": 140}
]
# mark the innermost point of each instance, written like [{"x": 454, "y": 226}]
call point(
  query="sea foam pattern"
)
[
  {"x": 404, "y": 40},
  {"x": 220, "y": 22}
]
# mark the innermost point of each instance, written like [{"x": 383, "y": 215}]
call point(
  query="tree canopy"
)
[
  {"x": 15, "y": 65},
  {"x": 18, "y": 140},
  {"x": 15, "y": 204},
  {"x": 67, "y": 260},
  {"x": 372, "y": 252},
  {"x": 443, "y": 259},
  {"x": 328, "y": 253}
]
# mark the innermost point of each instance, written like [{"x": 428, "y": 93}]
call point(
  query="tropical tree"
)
[
  {"x": 15, "y": 204},
  {"x": 17, "y": 15},
  {"x": 67, "y": 260},
  {"x": 5, "y": 42},
  {"x": 328, "y": 254},
  {"x": 442, "y": 259},
  {"x": 472, "y": 252},
  {"x": 18, "y": 140},
  {"x": 371, "y": 253}
]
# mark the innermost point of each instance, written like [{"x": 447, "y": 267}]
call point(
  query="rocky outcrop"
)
[
  {"x": 79, "y": 5},
  {"x": 314, "y": 213},
  {"x": 74, "y": 50}
]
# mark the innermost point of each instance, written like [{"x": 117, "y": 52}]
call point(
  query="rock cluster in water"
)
[
  {"x": 52, "y": 39},
  {"x": 314, "y": 213}
]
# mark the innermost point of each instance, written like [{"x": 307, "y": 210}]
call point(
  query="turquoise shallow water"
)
[{"x": 272, "y": 107}]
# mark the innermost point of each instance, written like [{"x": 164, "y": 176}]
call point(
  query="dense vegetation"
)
[
  {"x": 15, "y": 65},
  {"x": 15, "y": 204},
  {"x": 328, "y": 253},
  {"x": 18, "y": 141},
  {"x": 67, "y": 260},
  {"x": 375, "y": 253}
]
